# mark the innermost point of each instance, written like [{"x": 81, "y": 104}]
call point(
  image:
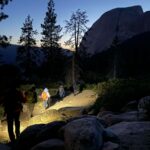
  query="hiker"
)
[
  {"x": 75, "y": 90},
  {"x": 61, "y": 91},
  {"x": 12, "y": 109},
  {"x": 33, "y": 90},
  {"x": 45, "y": 96},
  {"x": 81, "y": 86},
  {"x": 34, "y": 100}
]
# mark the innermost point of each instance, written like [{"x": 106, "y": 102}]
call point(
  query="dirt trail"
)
[{"x": 84, "y": 99}]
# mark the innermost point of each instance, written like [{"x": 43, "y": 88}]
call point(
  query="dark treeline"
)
[
  {"x": 50, "y": 61},
  {"x": 132, "y": 61},
  {"x": 35, "y": 63},
  {"x": 129, "y": 59}
]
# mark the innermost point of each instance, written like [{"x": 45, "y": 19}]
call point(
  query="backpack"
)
[{"x": 44, "y": 96}]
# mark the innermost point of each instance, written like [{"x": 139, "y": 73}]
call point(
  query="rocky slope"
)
[
  {"x": 106, "y": 131},
  {"x": 70, "y": 106},
  {"x": 123, "y": 22}
]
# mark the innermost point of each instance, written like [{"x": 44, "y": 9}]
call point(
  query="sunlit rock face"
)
[{"x": 123, "y": 22}]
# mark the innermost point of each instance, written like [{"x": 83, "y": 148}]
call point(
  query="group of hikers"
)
[
  {"x": 47, "y": 99},
  {"x": 13, "y": 105}
]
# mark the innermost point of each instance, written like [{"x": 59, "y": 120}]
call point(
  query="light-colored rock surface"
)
[
  {"x": 70, "y": 106},
  {"x": 133, "y": 135},
  {"x": 55, "y": 144},
  {"x": 4, "y": 147},
  {"x": 84, "y": 99},
  {"x": 111, "y": 118},
  {"x": 110, "y": 146},
  {"x": 78, "y": 133},
  {"x": 83, "y": 134},
  {"x": 130, "y": 21}
]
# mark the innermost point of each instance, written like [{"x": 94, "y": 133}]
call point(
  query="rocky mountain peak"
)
[{"x": 121, "y": 22}]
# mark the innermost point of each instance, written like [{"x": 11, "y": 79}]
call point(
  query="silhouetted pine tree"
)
[
  {"x": 51, "y": 31},
  {"x": 76, "y": 27},
  {"x": 49, "y": 43},
  {"x": 27, "y": 53},
  {"x": 2, "y": 4},
  {"x": 4, "y": 40}
]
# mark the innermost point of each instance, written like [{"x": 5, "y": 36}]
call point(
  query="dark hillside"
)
[{"x": 131, "y": 59}]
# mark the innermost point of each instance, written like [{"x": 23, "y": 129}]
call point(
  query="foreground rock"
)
[
  {"x": 54, "y": 144},
  {"x": 133, "y": 135},
  {"x": 70, "y": 106},
  {"x": 79, "y": 133},
  {"x": 112, "y": 119},
  {"x": 4, "y": 147},
  {"x": 83, "y": 134}
]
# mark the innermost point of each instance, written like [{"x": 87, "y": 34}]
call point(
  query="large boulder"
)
[
  {"x": 132, "y": 135},
  {"x": 52, "y": 144},
  {"x": 46, "y": 117},
  {"x": 144, "y": 104},
  {"x": 4, "y": 147},
  {"x": 84, "y": 134},
  {"x": 69, "y": 112},
  {"x": 111, "y": 118},
  {"x": 27, "y": 138},
  {"x": 110, "y": 146},
  {"x": 123, "y": 22},
  {"x": 49, "y": 131},
  {"x": 144, "y": 108}
]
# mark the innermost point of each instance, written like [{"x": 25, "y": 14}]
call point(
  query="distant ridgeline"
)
[{"x": 8, "y": 54}]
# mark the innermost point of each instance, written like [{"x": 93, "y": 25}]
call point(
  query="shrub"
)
[{"x": 114, "y": 94}]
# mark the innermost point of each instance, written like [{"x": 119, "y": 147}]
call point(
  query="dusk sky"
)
[{"x": 19, "y": 9}]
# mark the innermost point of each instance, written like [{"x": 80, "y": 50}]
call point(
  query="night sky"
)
[{"x": 19, "y": 9}]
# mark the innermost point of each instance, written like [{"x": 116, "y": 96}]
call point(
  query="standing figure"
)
[
  {"x": 61, "y": 91},
  {"x": 75, "y": 90},
  {"x": 33, "y": 90},
  {"x": 81, "y": 86},
  {"x": 46, "y": 98},
  {"x": 34, "y": 100},
  {"x": 12, "y": 109}
]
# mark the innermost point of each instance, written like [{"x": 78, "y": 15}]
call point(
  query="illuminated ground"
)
[{"x": 81, "y": 100}]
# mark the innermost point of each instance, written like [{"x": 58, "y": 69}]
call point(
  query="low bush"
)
[{"x": 114, "y": 94}]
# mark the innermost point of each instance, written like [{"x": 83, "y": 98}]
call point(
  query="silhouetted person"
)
[
  {"x": 75, "y": 90},
  {"x": 61, "y": 92},
  {"x": 13, "y": 107},
  {"x": 81, "y": 86},
  {"x": 34, "y": 99}
]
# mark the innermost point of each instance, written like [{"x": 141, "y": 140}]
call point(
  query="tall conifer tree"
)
[
  {"x": 51, "y": 31},
  {"x": 49, "y": 42},
  {"x": 26, "y": 54},
  {"x": 4, "y": 40},
  {"x": 76, "y": 27}
]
